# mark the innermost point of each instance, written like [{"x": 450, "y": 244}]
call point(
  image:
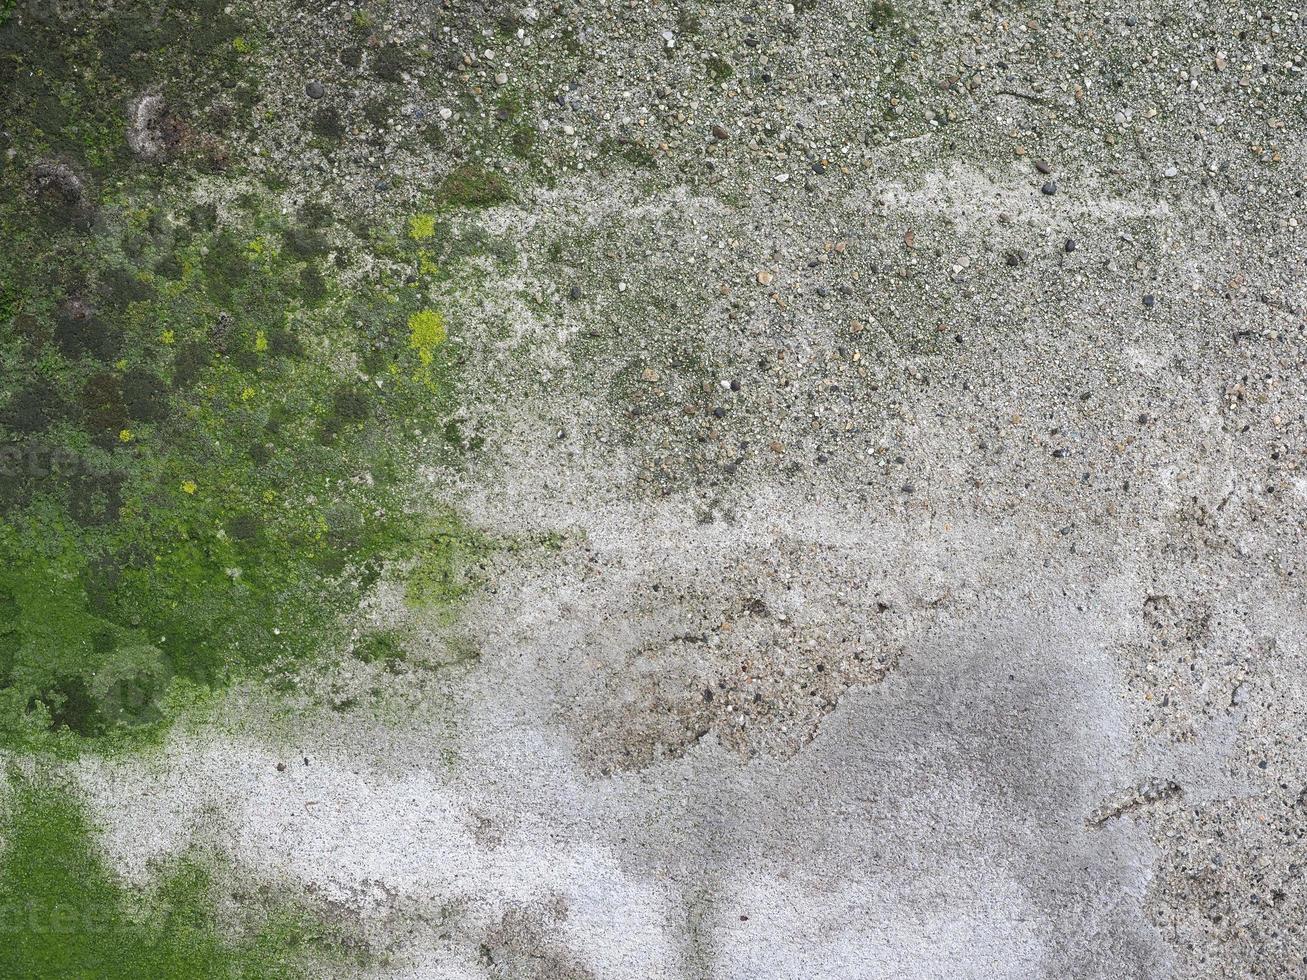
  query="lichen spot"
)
[
  {"x": 426, "y": 332},
  {"x": 422, "y": 227}
]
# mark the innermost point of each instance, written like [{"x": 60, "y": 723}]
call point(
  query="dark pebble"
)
[
  {"x": 1070, "y": 245},
  {"x": 735, "y": 384},
  {"x": 1149, "y": 301},
  {"x": 1050, "y": 188},
  {"x": 574, "y": 292},
  {"x": 314, "y": 90},
  {"x": 721, "y": 132}
]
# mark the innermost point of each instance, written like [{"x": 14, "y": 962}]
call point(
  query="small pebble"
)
[
  {"x": 1070, "y": 245},
  {"x": 314, "y": 90},
  {"x": 1050, "y": 188}
]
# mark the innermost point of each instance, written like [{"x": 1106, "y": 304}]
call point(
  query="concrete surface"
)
[{"x": 966, "y": 641}]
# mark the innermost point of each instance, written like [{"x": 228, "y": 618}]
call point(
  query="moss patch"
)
[
  {"x": 63, "y": 913},
  {"x": 473, "y": 187},
  {"x": 422, "y": 227},
  {"x": 426, "y": 332},
  {"x": 210, "y": 409},
  {"x": 205, "y": 462}
]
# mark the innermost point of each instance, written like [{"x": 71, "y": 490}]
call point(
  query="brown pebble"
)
[
  {"x": 721, "y": 132},
  {"x": 765, "y": 278},
  {"x": 1043, "y": 167}
]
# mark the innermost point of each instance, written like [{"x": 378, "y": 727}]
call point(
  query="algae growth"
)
[
  {"x": 211, "y": 402},
  {"x": 64, "y": 913}
]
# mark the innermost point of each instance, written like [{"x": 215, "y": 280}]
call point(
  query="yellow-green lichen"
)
[
  {"x": 426, "y": 332},
  {"x": 422, "y": 227}
]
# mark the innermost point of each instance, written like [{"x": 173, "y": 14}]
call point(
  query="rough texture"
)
[{"x": 862, "y": 533}]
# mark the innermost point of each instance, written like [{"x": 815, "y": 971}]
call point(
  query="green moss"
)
[
  {"x": 473, "y": 187},
  {"x": 426, "y": 332},
  {"x": 207, "y": 435},
  {"x": 422, "y": 227},
  {"x": 231, "y": 492},
  {"x": 632, "y": 151},
  {"x": 385, "y": 646},
  {"x": 63, "y": 89},
  {"x": 522, "y": 141},
  {"x": 881, "y": 15},
  {"x": 63, "y": 913}
]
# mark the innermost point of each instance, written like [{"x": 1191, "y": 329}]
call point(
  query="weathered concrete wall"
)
[{"x": 891, "y": 422}]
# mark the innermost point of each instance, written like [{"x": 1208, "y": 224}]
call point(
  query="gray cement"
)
[{"x": 965, "y": 639}]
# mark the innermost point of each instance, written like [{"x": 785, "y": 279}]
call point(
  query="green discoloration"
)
[
  {"x": 205, "y": 431},
  {"x": 421, "y": 227},
  {"x": 473, "y": 187},
  {"x": 719, "y": 70},
  {"x": 882, "y": 15},
  {"x": 199, "y": 484},
  {"x": 448, "y": 566},
  {"x": 426, "y": 332},
  {"x": 66, "y": 85},
  {"x": 64, "y": 913}
]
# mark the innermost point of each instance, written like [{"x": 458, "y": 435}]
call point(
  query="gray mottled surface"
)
[{"x": 993, "y": 569}]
